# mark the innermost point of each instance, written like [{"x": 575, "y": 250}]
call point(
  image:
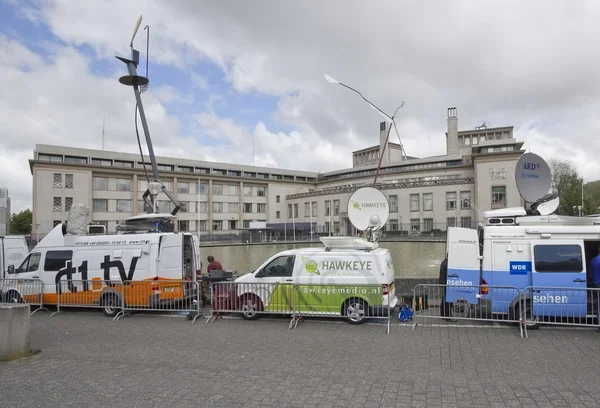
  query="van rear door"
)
[
  {"x": 559, "y": 264},
  {"x": 170, "y": 261},
  {"x": 463, "y": 266}
]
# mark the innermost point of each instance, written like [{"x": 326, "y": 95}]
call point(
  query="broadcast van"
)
[
  {"x": 13, "y": 249},
  {"x": 348, "y": 277}
]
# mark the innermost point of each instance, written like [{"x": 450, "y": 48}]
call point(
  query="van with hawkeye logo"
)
[{"x": 348, "y": 277}]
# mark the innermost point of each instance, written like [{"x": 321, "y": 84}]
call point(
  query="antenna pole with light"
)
[{"x": 136, "y": 81}]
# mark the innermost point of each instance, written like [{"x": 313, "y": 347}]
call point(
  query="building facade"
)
[
  {"x": 4, "y": 211},
  {"x": 427, "y": 194}
]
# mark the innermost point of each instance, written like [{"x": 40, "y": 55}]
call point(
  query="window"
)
[
  {"x": 217, "y": 189},
  {"x": 393, "y": 203},
  {"x": 183, "y": 226},
  {"x": 57, "y": 180},
  {"x": 234, "y": 173},
  {"x": 282, "y": 266},
  {"x": 55, "y": 223},
  {"x": 163, "y": 206},
  {"x": 234, "y": 207},
  {"x": 307, "y": 209},
  {"x": 202, "y": 207},
  {"x": 327, "y": 226},
  {"x": 232, "y": 190},
  {"x": 427, "y": 224},
  {"x": 246, "y": 223},
  {"x": 336, "y": 207},
  {"x": 57, "y": 205},
  {"x": 30, "y": 264},
  {"x": 123, "y": 184},
  {"x": 451, "y": 201},
  {"x": 183, "y": 188},
  {"x": 202, "y": 188},
  {"x": 203, "y": 225},
  {"x": 217, "y": 225},
  {"x": 314, "y": 209},
  {"x": 467, "y": 140},
  {"x": 68, "y": 203},
  {"x": 415, "y": 225},
  {"x": 56, "y": 260},
  {"x": 327, "y": 208},
  {"x": 141, "y": 206},
  {"x": 290, "y": 209},
  {"x": 201, "y": 170},
  {"x": 101, "y": 205},
  {"x": 414, "y": 202},
  {"x": 558, "y": 258},
  {"x": 101, "y": 183},
  {"x": 278, "y": 214},
  {"x": 277, "y": 199},
  {"x": 122, "y": 163},
  {"x": 499, "y": 195},
  {"x": 465, "y": 200},
  {"x": 68, "y": 181},
  {"x": 183, "y": 207},
  {"x": 451, "y": 222},
  {"x": 262, "y": 208},
  {"x": 296, "y": 210},
  {"x": 393, "y": 225},
  {"x": 217, "y": 207},
  {"x": 102, "y": 162},
  {"x": 247, "y": 191},
  {"x": 165, "y": 167},
  {"x": 336, "y": 227},
  {"x": 427, "y": 201},
  {"x": 186, "y": 169},
  {"x": 260, "y": 191},
  {"x": 124, "y": 206},
  {"x": 465, "y": 222},
  {"x": 247, "y": 207},
  {"x": 50, "y": 157},
  {"x": 232, "y": 225}
]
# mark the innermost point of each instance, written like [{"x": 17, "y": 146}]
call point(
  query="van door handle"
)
[
  {"x": 34, "y": 277},
  {"x": 578, "y": 280},
  {"x": 453, "y": 275},
  {"x": 289, "y": 280}
]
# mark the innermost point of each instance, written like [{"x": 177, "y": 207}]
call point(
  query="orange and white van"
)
[{"x": 139, "y": 269}]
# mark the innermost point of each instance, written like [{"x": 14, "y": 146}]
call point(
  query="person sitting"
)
[{"x": 213, "y": 265}]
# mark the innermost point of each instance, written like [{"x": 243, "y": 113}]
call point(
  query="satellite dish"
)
[
  {"x": 368, "y": 207},
  {"x": 548, "y": 207},
  {"x": 533, "y": 177}
]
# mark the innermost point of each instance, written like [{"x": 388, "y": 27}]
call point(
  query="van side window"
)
[
  {"x": 55, "y": 260},
  {"x": 558, "y": 258},
  {"x": 30, "y": 264},
  {"x": 282, "y": 266}
]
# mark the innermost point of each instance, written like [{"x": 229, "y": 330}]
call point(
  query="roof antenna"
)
[{"x": 136, "y": 81}]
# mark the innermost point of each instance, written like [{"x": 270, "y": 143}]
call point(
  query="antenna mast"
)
[
  {"x": 103, "y": 133},
  {"x": 136, "y": 81}
]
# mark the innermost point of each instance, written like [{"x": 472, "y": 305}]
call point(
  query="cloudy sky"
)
[{"x": 226, "y": 74}]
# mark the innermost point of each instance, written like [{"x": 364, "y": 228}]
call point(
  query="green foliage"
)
[
  {"x": 21, "y": 223},
  {"x": 567, "y": 181}
]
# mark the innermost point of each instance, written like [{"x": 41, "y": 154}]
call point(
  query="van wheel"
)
[
  {"x": 250, "y": 306},
  {"x": 110, "y": 305},
  {"x": 13, "y": 297},
  {"x": 531, "y": 324},
  {"x": 355, "y": 311}
]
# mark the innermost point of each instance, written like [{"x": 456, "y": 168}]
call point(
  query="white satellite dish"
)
[
  {"x": 368, "y": 208},
  {"x": 533, "y": 177},
  {"x": 548, "y": 207}
]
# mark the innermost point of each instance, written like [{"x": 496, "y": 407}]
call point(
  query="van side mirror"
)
[
  {"x": 260, "y": 274},
  {"x": 11, "y": 269}
]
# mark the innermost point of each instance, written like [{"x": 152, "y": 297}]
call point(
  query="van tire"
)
[
  {"x": 13, "y": 297},
  {"x": 355, "y": 310},
  {"x": 111, "y": 305},
  {"x": 531, "y": 326},
  {"x": 250, "y": 305}
]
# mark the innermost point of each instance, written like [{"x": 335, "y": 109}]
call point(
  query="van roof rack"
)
[
  {"x": 347, "y": 243},
  {"x": 147, "y": 222}
]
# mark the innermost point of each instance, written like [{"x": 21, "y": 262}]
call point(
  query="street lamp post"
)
[{"x": 385, "y": 115}]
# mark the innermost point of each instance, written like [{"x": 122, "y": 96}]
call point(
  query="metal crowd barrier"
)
[
  {"x": 30, "y": 291},
  {"x": 470, "y": 302},
  {"x": 161, "y": 296},
  {"x": 354, "y": 302},
  {"x": 562, "y": 306},
  {"x": 79, "y": 293}
]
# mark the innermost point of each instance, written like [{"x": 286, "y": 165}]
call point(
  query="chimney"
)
[
  {"x": 383, "y": 132},
  {"x": 452, "y": 134}
]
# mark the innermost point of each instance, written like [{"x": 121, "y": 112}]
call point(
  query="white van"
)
[
  {"x": 348, "y": 277},
  {"x": 62, "y": 261},
  {"x": 13, "y": 249}
]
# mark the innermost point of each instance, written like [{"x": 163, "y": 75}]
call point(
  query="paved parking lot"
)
[{"x": 87, "y": 359}]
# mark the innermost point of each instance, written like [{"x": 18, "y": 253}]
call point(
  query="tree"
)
[
  {"x": 566, "y": 180},
  {"x": 21, "y": 223}
]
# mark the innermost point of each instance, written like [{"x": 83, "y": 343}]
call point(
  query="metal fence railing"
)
[
  {"x": 561, "y": 306},
  {"x": 470, "y": 302},
  {"x": 161, "y": 296},
  {"x": 355, "y": 303},
  {"x": 30, "y": 291}
]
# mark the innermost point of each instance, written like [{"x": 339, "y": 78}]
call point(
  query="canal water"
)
[{"x": 411, "y": 259}]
